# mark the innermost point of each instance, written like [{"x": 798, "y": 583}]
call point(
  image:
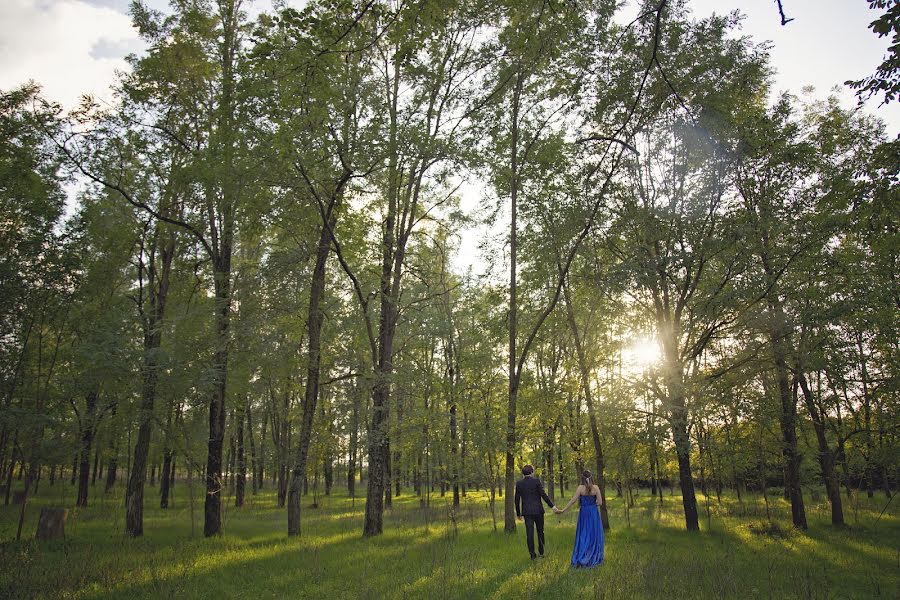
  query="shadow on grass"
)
[{"x": 417, "y": 557}]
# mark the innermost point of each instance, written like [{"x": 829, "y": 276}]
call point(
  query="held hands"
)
[{"x": 557, "y": 510}]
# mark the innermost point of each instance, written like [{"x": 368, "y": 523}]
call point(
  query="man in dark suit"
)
[{"x": 529, "y": 492}]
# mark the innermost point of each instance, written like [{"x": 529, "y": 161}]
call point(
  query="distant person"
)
[
  {"x": 588, "y": 550},
  {"x": 529, "y": 492}
]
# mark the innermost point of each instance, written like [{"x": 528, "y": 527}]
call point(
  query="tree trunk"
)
[
  {"x": 250, "y": 438},
  {"x": 112, "y": 468},
  {"x": 261, "y": 461},
  {"x": 134, "y": 493},
  {"x": 826, "y": 457},
  {"x": 509, "y": 507},
  {"x": 165, "y": 479},
  {"x": 467, "y": 481},
  {"x": 212, "y": 507},
  {"x": 549, "y": 438},
  {"x": 779, "y": 337},
  {"x": 352, "y": 446},
  {"x": 592, "y": 415},
  {"x": 392, "y": 253},
  {"x": 374, "y": 512},
  {"x": 87, "y": 440},
  {"x": 454, "y": 442},
  {"x": 315, "y": 318},
  {"x": 96, "y": 469},
  {"x": 869, "y": 456},
  {"x": 328, "y": 474},
  {"x": 168, "y": 472},
  {"x": 388, "y": 465},
  {"x": 241, "y": 475},
  {"x": 221, "y": 262}
]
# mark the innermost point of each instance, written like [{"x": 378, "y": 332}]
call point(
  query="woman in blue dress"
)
[{"x": 588, "y": 550}]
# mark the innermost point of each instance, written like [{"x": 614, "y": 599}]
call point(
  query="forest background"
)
[{"x": 237, "y": 278}]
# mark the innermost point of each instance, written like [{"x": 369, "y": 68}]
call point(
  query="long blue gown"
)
[{"x": 588, "y": 550}]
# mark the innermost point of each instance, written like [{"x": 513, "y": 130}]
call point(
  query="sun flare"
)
[{"x": 643, "y": 352}]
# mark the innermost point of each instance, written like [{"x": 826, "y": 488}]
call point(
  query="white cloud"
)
[
  {"x": 70, "y": 47},
  {"x": 827, "y": 43}
]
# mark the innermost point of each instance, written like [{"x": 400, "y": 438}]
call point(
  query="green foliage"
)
[{"x": 886, "y": 79}]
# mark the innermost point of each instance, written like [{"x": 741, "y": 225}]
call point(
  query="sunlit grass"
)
[{"x": 423, "y": 555}]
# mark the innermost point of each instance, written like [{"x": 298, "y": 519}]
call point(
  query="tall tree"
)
[{"x": 187, "y": 89}]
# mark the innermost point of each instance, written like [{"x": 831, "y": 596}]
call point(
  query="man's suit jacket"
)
[{"x": 529, "y": 491}]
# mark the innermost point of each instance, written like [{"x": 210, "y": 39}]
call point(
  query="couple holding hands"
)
[{"x": 588, "y": 551}]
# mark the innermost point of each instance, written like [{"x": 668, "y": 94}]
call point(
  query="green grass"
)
[{"x": 420, "y": 557}]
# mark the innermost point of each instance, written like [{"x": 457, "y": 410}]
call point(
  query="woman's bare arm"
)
[{"x": 572, "y": 501}]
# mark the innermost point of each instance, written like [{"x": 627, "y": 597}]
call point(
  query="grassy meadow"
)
[{"x": 422, "y": 555}]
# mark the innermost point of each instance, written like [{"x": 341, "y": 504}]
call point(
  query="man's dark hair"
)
[{"x": 527, "y": 470}]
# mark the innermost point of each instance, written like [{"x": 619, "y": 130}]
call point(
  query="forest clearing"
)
[{"x": 422, "y": 555}]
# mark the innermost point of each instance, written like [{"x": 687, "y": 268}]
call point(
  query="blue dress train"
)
[{"x": 588, "y": 550}]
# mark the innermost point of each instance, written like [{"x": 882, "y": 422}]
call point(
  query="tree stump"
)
[
  {"x": 52, "y": 524},
  {"x": 18, "y": 498}
]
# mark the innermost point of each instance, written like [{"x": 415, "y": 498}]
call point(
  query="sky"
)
[
  {"x": 827, "y": 43},
  {"x": 73, "y": 47}
]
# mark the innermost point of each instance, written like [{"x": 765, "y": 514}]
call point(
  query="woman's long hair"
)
[{"x": 586, "y": 480}]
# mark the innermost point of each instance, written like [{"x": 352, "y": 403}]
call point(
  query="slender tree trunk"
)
[
  {"x": 87, "y": 439},
  {"x": 509, "y": 508},
  {"x": 168, "y": 470},
  {"x": 654, "y": 475},
  {"x": 315, "y": 318},
  {"x": 261, "y": 461},
  {"x": 283, "y": 436},
  {"x": 592, "y": 414},
  {"x": 392, "y": 252},
  {"x": 212, "y": 507},
  {"x": 679, "y": 421},
  {"x": 396, "y": 464},
  {"x": 165, "y": 479},
  {"x": 25, "y": 501},
  {"x": 779, "y": 339},
  {"x": 466, "y": 481},
  {"x": 4, "y": 441},
  {"x": 113, "y": 466},
  {"x": 870, "y": 467},
  {"x": 387, "y": 474},
  {"x": 250, "y": 438},
  {"x": 230, "y": 458},
  {"x": 328, "y": 474},
  {"x": 134, "y": 492},
  {"x": 96, "y": 470},
  {"x": 559, "y": 460},
  {"x": 826, "y": 457},
  {"x": 549, "y": 438},
  {"x": 454, "y": 435},
  {"x": 12, "y": 465},
  {"x": 221, "y": 262},
  {"x": 352, "y": 446},
  {"x": 241, "y": 475}
]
